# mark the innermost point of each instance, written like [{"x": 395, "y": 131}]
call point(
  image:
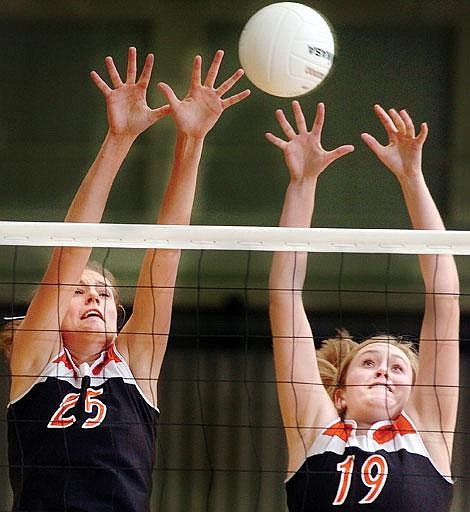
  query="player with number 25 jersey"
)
[{"x": 71, "y": 416}]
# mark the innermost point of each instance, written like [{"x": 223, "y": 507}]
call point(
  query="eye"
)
[
  {"x": 78, "y": 291},
  {"x": 369, "y": 363},
  {"x": 104, "y": 293},
  {"x": 397, "y": 368}
]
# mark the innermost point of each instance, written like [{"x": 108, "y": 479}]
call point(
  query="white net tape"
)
[{"x": 397, "y": 241}]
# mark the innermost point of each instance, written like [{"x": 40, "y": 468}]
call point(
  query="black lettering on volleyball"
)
[{"x": 320, "y": 52}]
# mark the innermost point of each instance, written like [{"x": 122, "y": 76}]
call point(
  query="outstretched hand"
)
[
  {"x": 126, "y": 103},
  {"x": 203, "y": 105},
  {"x": 303, "y": 151},
  {"x": 403, "y": 153}
]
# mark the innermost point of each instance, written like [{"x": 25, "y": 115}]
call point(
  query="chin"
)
[
  {"x": 386, "y": 413},
  {"x": 380, "y": 411}
]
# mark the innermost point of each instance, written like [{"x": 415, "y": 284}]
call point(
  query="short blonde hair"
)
[
  {"x": 335, "y": 356},
  {"x": 7, "y": 332}
]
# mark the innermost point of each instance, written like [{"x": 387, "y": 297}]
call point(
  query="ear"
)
[
  {"x": 339, "y": 401},
  {"x": 121, "y": 316}
]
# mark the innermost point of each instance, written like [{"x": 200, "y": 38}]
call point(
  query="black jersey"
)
[
  {"x": 82, "y": 439},
  {"x": 386, "y": 470}
]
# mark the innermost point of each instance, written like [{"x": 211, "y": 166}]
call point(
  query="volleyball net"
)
[{"x": 220, "y": 441}]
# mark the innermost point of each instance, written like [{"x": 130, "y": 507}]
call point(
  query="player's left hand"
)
[
  {"x": 203, "y": 105},
  {"x": 403, "y": 153}
]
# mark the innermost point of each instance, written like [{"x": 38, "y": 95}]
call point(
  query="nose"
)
[
  {"x": 92, "y": 295},
  {"x": 382, "y": 372}
]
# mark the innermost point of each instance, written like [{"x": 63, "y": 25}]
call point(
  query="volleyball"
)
[{"x": 286, "y": 49}]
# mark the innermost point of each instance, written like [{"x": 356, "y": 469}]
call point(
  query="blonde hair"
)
[
  {"x": 335, "y": 356},
  {"x": 8, "y": 331}
]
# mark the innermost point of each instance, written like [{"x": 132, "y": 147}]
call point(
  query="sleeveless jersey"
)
[
  {"x": 388, "y": 469},
  {"x": 82, "y": 439}
]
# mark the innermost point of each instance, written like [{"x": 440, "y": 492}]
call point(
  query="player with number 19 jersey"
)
[
  {"x": 387, "y": 469},
  {"x": 90, "y": 431}
]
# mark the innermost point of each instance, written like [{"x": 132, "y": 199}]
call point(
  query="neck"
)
[
  {"x": 79, "y": 358},
  {"x": 86, "y": 349},
  {"x": 363, "y": 426}
]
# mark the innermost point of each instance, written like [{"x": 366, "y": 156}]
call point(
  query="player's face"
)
[
  {"x": 92, "y": 307},
  {"x": 378, "y": 384}
]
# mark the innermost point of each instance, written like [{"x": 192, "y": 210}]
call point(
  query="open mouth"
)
[
  {"x": 382, "y": 385},
  {"x": 92, "y": 313}
]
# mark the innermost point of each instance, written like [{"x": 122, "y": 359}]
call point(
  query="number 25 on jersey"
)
[{"x": 92, "y": 404}]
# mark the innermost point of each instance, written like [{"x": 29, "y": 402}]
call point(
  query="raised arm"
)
[
  {"x": 144, "y": 339},
  {"x": 128, "y": 116},
  {"x": 303, "y": 400},
  {"x": 435, "y": 396}
]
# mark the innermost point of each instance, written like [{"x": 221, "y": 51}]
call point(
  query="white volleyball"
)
[{"x": 286, "y": 49}]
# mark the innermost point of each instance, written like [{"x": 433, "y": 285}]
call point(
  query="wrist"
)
[
  {"x": 190, "y": 139},
  {"x": 303, "y": 181},
  {"x": 119, "y": 140},
  {"x": 187, "y": 144},
  {"x": 412, "y": 181}
]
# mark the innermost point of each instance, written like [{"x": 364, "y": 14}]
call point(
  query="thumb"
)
[
  {"x": 372, "y": 142},
  {"x": 167, "y": 91},
  {"x": 339, "y": 152},
  {"x": 160, "y": 112}
]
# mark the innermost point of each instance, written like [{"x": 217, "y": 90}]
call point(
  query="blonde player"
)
[{"x": 369, "y": 425}]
